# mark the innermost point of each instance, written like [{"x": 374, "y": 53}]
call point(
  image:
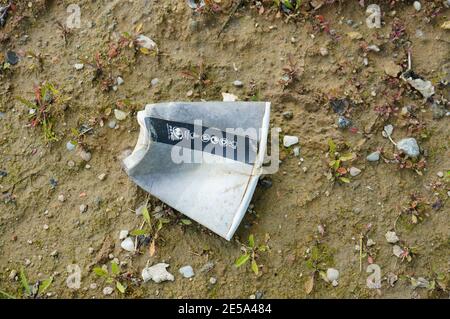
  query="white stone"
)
[
  {"x": 145, "y": 42},
  {"x": 397, "y": 251},
  {"x": 332, "y": 274},
  {"x": 354, "y": 171},
  {"x": 123, "y": 234},
  {"x": 127, "y": 244},
  {"x": 417, "y": 5},
  {"x": 187, "y": 271},
  {"x": 120, "y": 115},
  {"x": 409, "y": 146},
  {"x": 157, "y": 273},
  {"x": 61, "y": 198},
  {"x": 101, "y": 176},
  {"x": 289, "y": 140},
  {"x": 120, "y": 80},
  {"x": 391, "y": 237},
  {"x": 78, "y": 66},
  {"x": 228, "y": 97},
  {"x": 108, "y": 290}
]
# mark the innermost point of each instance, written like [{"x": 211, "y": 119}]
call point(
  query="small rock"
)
[
  {"x": 187, "y": 271},
  {"x": 145, "y": 42},
  {"x": 354, "y": 171},
  {"x": 93, "y": 286},
  {"x": 127, "y": 244},
  {"x": 45, "y": 227},
  {"x": 391, "y": 237},
  {"x": 392, "y": 69},
  {"x": 12, "y": 58},
  {"x": 78, "y": 66},
  {"x": 108, "y": 290},
  {"x": 397, "y": 251},
  {"x": 157, "y": 273},
  {"x": 440, "y": 174},
  {"x": 388, "y": 130},
  {"x": 373, "y": 157},
  {"x": 189, "y": 93},
  {"x": 120, "y": 80},
  {"x": 101, "y": 176},
  {"x": 332, "y": 275},
  {"x": 238, "y": 84},
  {"x": 85, "y": 156},
  {"x": 83, "y": 208},
  {"x": 112, "y": 124},
  {"x": 343, "y": 122},
  {"x": 54, "y": 253},
  {"x": 446, "y": 25},
  {"x": 212, "y": 281},
  {"x": 296, "y": 151},
  {"x": 373, "y": 48},
  {"x": 61, "y": 198},
  {"x": 120, "y": 115},
  {"x": 289, "y": 140},
  {"x": 438, "y": 111},
  {"x": 323, "y": 51},
  {"x": 288, "y": 115},
  {"x": 417, "y": 5},
  {"x": 370, "y": 242},
  {"x": 123, "y": 234},
  {"x": 154, "y": 82},
  {"x": 12, "y": 275},
  {"x": 70, "y": 146},
  {"x": 71, "y": 163},
  {"x": 228, "y": 97},
  {"x": 409, "y": 146},
  {"x": 420, "y": 283}
]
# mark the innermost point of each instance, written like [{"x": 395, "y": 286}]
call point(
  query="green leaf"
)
[
  {"x": 262, "y": 248},
  {"x": 332, "y": 147},
  {"x": 100, "y": 272},
  {"x": 251, "y": 241},
  {"x": 241, "y": 260},
  {"x": 186, "y": 222},
  {"x": 26, "y": 102},
  {"x": 255, "y": 267},
  {"x": 115, "y": 269},
  {"x": 288, "y": 4},
  {"x": 138, "y": 232},
  {"x": 45, "y": 285},
  {"x": 6, "y": 295},
  {"x": 146, "y": 215},
  {"x": 120, "y": 287},
  {"x": 347, "y": 157},
  {"x": 164, "y": 220},
  {"x": 344, "y": 180},
  {"x": 24, "y": 282}
]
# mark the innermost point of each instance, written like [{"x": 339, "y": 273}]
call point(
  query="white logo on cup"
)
[
  {"x": 177, "y": 133},
  {"x": 214, "y": 139},
  {"x": 206, "y": 137}
]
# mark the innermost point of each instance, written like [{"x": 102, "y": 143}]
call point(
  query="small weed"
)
[
  {"x": 198, "y": 74},
  {"x": 290, "y": 72},
  {"x": 338, "y": 171},
  {"x": 65, "y": 31},
  {"x": 318, "y": 259},
  {"x": 45, "y": 107},
  {"x": 111, "y": 276},
  {"x": 35, "y": 291},
  {"x": 251, "y": 253}
]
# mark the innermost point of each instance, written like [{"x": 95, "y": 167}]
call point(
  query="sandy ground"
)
[{"x": 309, "y": 221}]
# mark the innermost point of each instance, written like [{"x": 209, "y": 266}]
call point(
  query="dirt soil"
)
[{"x": 310, "y": 218}]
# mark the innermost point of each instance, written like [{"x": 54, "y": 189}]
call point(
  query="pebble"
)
[
  {"x": 323, "y": 51},
  {"x": 70, "y": 146},
  {"x": 212, "y": 280},
  {"x": 388, "y": 130},
  {"x": 189, "y": 93},
  {"x": 333, "y": 276},
  {"x": 440, "y": 174},
  {"x": 238, "y": 84},
  {"x": 154, "y": 82},
  {"x": 12, "y": 57},
  {"x": 343, "y": 122},
  {"x": 27, "y": 262},
  {"x": 187, "y": 271},
  {"x": 93, "y": 286},
  {"x": 54, "y": 253},
  {"x": 288, "y": 115},
  {"x": 417, "y": 5},
  {"x": 120, "y": 115},
  {"x": 127, "y": 244},
  {"x": 108, "y": 290},
  {"x": 123, "y": 234},
  {"x": 157, "y": 273},
  {"x": 90, "y": 250},
  {"x": 83, "y": 208},
  {"x": 12, "y": 275},
  {"x": 45, "y": 227},
  {"x": 373, "y": 157},
  {"x": 409, "y": 146},
  {"x": 354, "y": 171},
  {"x": 296, "y": 151},
  {"x": 85, "y": 156},
  {"x": 61, "y": 198},
  {"x": 397, "y": 251},
  {"x": 145, "y": 42},
  {"x": 120, "y": 80},
  {"x": 392, "y": 69},
  {"x": 101, "y": 176},
  {"x": 391, "y": 237},
  {"x": 112, "y": 124},
  {"x": 78, "y": 66},
  {"x": 373, "y": 48},
  {"x": 289, "y": 140},
  {"x": 207, "y": 267},
  {"x": 71, "y": 163},
  {"x": 370, "y": 242}
]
